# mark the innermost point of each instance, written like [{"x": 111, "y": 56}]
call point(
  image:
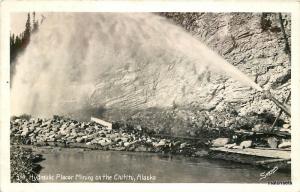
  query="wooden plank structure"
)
[
  {"x": 280, "y": 112},
  {"x": 278, "y": 154},
  {"x": 255, "y": 156},
  {"x": 102, "y": 122}
]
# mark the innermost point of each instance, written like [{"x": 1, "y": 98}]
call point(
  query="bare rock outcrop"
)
[
  {"x": 176, "y": 103},
  {"x": 140, "y": 69},
  {"x": 254, "y": 43}
]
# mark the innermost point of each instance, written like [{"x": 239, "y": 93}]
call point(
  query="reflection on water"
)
[{"x": 73, "y": 165}]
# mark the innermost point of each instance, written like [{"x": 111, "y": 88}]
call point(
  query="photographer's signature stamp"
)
[{"x": 264, "y": 175}]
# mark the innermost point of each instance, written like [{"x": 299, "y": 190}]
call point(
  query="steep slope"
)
[
  {"x": 140, "y": 69},
  {"x": 254, "y": 43}
]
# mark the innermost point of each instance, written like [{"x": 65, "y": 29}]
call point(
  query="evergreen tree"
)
[
  {"x": 18, "y": 43},
  {"x": 35, "y": 24},
  {"x": 27, "y": 27}
]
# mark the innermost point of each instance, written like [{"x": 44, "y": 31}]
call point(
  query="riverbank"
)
[{"x": 65, "y": 132}]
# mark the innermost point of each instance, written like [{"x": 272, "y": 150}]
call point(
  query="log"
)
[
  {"x": 102, "y": 122},
  {"x": 271, "y": 161},
  {"x": 276, "y": 149}
]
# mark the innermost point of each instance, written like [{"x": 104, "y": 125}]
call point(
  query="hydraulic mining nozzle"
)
[{"x": 285, "y": 107}]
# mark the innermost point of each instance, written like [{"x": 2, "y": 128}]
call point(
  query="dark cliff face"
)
[{"x": 180, "y": 103}]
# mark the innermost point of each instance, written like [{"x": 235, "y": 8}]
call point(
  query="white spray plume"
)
[{"x": 71, "y": 51}]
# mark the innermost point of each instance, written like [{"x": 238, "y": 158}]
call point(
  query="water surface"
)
[{"x": 77, "y": 165}]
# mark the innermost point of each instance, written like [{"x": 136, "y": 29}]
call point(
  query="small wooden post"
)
[{"x": 280, "y": 112}]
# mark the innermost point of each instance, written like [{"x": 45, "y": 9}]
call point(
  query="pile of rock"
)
[
  {"x": 71, "y": 133},
  {"x": 225, "y": 142},
  {"x": 271, "y": 142}
]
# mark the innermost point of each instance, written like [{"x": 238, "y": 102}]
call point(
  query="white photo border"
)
[{"x": 11, "y": 6}]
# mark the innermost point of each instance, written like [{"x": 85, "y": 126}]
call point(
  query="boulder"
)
[
  {"x": 230, "y": 146},
  {"x": 176, "y": 143},
  {"x": 182, "y": 145},
  {"x": 45, "y": 124},
  {"x": 101, "y": 142},
  {"x": 64, "y": 126},
  {"x": 246, "y": 144},
  {"x": 257, "y": 128},
  {"x": 104, "y": 142},
  {"x": 88, "y": 143},
  {"x": 51, "y": 139},
  {"x": 114, "y": 136},
  {"x": 139, "y": 127},
  {"x": 124, "y": 139},
  {"x": 220, "y": 142},
  {"x": 93, "y": 136},
  {"x": 37, "y": 130},
  {"x": 17, "y": 120},
  {"x": 51, "y": 136},
  {"x": 160, "y": 143},
  {"x": 285, "y": 130},
  {"x": 79, "y": 140},
  {"x": 126, "y": 144},
  {"x": 25, "y": 132},
  {"x": 55, "y": 129},
  {"x": 272, "y": 142},
  {"x": 93, "y": 141},
  {"x": 286, "y": 126},
  {"x": 285, "y": 144},
  {"x": 64, "y": 132}
]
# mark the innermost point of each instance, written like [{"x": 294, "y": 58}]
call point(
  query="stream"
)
[{"x": 79, "y": 165}]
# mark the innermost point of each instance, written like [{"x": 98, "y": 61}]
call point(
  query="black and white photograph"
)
[{"x": 149, "y": 97}]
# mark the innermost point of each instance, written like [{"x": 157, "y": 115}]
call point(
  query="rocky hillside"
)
[
  {"x": 139, "y": 69},
  {"x": 176, "y": 103},
  {"x": 254, "y": 43}
]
